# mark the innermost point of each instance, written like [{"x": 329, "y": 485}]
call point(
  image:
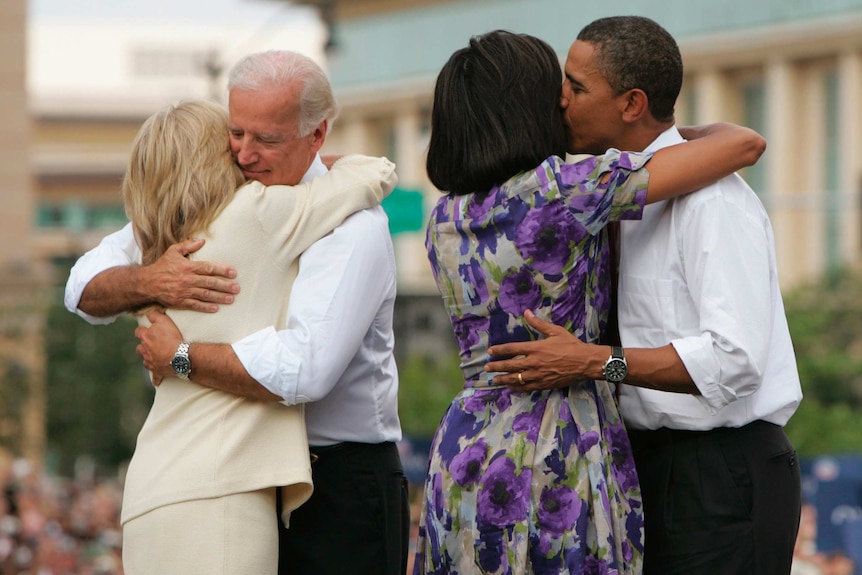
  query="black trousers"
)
[
  {"x": 719, "y": 502},
  {"x": 357, "y": 521}
]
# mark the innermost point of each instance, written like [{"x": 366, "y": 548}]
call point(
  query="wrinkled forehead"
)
[{"x": 257, "y": 109}]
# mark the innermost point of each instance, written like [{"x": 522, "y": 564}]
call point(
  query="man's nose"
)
[{"x": 245, "y": 152}]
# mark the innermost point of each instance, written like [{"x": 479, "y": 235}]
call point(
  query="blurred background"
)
[{"x": 77, "y": 78}]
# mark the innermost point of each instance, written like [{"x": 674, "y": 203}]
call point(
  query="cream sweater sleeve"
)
[{"x": 297, "y": 216}]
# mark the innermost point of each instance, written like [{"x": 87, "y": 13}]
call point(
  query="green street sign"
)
[{"x": 404, "y": 208}]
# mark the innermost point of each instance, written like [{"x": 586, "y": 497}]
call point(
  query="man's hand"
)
[
  {"x": 177, "y": 282},
  {"x": 172, "y": 281},
  {"x": 159, "y": 343},
  {"x": 559, "y": 360}
]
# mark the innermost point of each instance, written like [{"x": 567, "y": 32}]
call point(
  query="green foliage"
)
[
  {"x": 426, "y": 388},
  {"x": 816, "y": 429},
  {"x": 98, "y": 392},
  {"x": 825, "y": 319},
  {"x": 13, "y": 395}
]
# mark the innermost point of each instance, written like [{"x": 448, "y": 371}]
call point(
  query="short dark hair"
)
[
  {"x": 496, "y": 112},
  {"x": 636, "y": 52}
]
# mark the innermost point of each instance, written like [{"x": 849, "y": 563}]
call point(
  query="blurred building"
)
[{"x": 791, "y": 70}]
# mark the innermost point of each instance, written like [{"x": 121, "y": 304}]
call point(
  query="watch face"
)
[
  {"x": 181, "y": 365},
  {"x": 615, "y": 370}
]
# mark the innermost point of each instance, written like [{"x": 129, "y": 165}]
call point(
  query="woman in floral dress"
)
[{"x": 540, "y": 482}]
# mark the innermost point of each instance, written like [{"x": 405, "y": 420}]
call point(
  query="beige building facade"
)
[{"x": 800, "y": 84}]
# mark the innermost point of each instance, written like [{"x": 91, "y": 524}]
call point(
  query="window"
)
[{"x": 74, "y": 216}]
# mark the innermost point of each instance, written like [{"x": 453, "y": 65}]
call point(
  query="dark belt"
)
[
  {"x": 651, "y": 438},
  {"x": 347, "y": 447}
]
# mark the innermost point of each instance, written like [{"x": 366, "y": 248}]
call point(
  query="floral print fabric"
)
[{"x": 539, "y": 482}]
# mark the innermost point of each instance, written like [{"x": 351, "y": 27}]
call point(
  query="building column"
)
[
  {"x": 408, "y": 158},
  {"x": 411, "y": 257},
  {"x": 22, "y": 280},
  {"x": 710, "y": 90},
  {"x": 17, "y": 214},
  {"x": 355, "y": 137},
  {"x": 786, "y": 215},
  {"x": 850, "y": 145}
]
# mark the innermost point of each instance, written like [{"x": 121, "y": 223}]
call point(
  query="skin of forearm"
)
[
  {"x": 660, "y": 369},
  {"x": 115, "y": 291},
  {"x": 216, "y": 365}
]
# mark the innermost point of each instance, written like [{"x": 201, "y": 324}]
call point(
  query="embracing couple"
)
[{"x": 536, "y": 467}]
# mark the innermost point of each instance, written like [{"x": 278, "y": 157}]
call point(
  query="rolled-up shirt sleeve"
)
[
  {"x": 117, "y": 249},
  {"x": 729, "y": 281},
  {"x": 341, "y": 282}
]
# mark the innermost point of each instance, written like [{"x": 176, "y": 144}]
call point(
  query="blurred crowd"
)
[
  {"x": 807, "y": 560},
  {"x": 55, "y": 526}
]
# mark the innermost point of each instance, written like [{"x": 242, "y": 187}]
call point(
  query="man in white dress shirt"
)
[
  {"x": 720, "y": 480},
  {"x": 336, "y": 354}
]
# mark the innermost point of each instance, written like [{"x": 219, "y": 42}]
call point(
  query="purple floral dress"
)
[{"x": 537, "y": 482}]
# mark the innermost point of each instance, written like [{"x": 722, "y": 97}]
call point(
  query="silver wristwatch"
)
[
  {"x": 616, "y": 368},
  {"x": 181, "y": 364}
]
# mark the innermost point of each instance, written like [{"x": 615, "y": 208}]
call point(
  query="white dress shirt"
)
[
  {"x": 699, "y": 271},
  {"x": 337, "y": 350}
]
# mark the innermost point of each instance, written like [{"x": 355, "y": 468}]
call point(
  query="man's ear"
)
[
  {"x": 634, "y": 105},
  {"x": 318, "y": 136}
]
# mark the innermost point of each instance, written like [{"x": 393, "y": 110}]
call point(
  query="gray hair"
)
[{"x": 278, "y": 68}]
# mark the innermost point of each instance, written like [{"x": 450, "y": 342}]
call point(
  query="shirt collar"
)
[
  {"x": 317, "y": 168},
  {"x": 667, "y": 138}
]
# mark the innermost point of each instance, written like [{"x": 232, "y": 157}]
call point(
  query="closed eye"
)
[{"x": 574, "y": 84}]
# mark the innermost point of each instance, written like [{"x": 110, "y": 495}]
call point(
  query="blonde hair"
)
[{"x": 180, "y": 175}]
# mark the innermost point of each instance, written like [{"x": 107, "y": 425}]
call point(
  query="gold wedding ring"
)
[{"x": 520, "y": 378}]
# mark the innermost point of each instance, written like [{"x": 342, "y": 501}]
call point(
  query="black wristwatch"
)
[
  {"x": 616, "y": 368},
  {"x": 181, "y": 364}
]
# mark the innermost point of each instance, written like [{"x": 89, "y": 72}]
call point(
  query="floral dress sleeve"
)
[{"x": 592, "y": 199}]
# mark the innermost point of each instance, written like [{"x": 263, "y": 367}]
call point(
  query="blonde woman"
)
[{"x": 201, "y": 487}]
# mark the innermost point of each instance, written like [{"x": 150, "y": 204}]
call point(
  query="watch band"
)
[{"x": 183, "y": 348}]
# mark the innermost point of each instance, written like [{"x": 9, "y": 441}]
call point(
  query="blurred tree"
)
[
  {"x": 13, "y": 396},
  {"x": 825, "y": 320},
  {"x": 426, "y": 387},
  {"x": 98, "y": 392}
]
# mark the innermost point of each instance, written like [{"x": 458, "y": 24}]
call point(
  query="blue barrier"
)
[{"x": 833, "y": 484}]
